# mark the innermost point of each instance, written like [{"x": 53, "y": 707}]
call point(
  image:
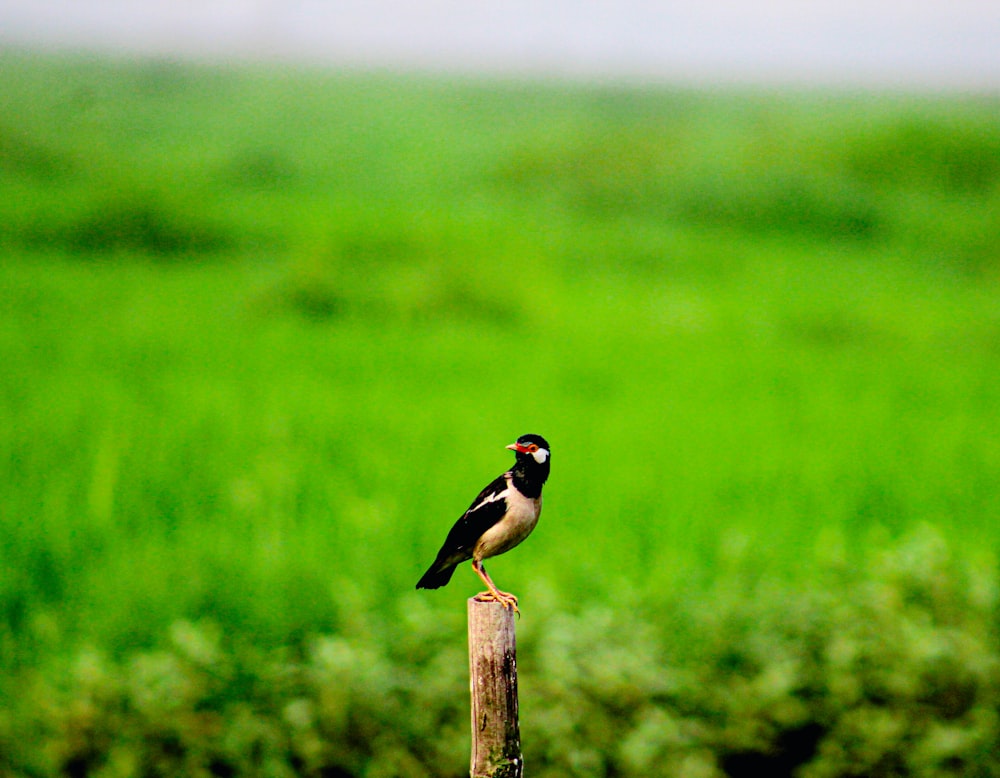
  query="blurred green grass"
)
[
  {"x": 260, "y": 326},
  {"x": 264, "y": 331}
]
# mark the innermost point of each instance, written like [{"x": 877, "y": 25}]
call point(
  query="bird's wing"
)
[{"x": 486, "y": 510}]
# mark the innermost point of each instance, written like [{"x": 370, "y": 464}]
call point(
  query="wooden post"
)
[{"x": 496, "y": 736}]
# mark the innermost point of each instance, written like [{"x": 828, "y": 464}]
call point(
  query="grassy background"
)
[{"x": 265, "y": 331}]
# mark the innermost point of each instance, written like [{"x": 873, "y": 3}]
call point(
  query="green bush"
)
[{"x": 889, "y": 670}]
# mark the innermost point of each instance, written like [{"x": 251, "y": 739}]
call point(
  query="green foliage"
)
[
  {"x": 263, "y": 329},
  {"x": 893, "y": 671},
  {"x": 132, "y": 222}
]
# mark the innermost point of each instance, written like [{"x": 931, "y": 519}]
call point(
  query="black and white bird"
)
[{"x": 503, "y": 515}]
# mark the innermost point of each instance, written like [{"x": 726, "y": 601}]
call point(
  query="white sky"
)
[{"x": 885, "y": 42}]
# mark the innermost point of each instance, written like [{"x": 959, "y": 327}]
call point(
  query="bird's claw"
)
[{"x": 505, "y": 599}]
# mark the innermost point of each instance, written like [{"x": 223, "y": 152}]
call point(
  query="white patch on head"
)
[{"x": 541, "y": 455}]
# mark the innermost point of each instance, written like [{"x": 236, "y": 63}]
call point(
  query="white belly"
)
[{"x": 507, "y": 533}]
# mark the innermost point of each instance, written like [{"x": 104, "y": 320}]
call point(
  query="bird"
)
[{"x": 501, "y": 516}]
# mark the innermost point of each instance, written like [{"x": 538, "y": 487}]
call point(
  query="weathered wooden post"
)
[{"x": 496, "y": 736}]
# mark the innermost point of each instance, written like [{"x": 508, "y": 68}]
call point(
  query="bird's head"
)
[{"x": 531, "y": 447}]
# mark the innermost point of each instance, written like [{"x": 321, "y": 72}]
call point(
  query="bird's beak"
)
[{"x": 518, "y": 447}]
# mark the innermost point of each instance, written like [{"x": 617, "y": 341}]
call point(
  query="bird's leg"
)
[{"x": 506, "y": 599}]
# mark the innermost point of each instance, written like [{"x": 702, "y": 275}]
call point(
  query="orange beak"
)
[{"x": 519, "y": 448}]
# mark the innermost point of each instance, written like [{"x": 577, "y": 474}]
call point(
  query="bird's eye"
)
[{"x": 533, "y": 448}]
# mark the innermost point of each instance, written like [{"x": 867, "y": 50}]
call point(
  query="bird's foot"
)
[{"x": 506, "y": 599}]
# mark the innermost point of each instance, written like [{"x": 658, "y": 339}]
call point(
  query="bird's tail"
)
[{"x": 436, "y": 577}]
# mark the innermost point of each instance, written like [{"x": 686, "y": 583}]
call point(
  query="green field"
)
[{"x": 265, "y": 331}]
